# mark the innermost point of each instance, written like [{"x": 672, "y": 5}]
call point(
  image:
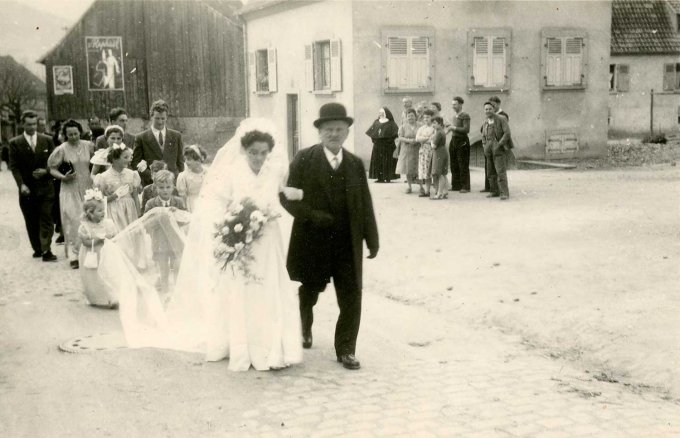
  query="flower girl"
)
[
  {"x": 120, "y": 186},
  {"x": 189, "y": 182},
  {"x": 93, "y": 230}
]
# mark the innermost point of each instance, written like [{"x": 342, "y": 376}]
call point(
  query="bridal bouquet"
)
[{"x": 242, "y": 225}]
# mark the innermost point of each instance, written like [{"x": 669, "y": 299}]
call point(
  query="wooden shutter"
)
[
  {"x": 498, "y": 54},
  {"x": 309, "y": 68},
  {"x": 480, "y": 66},
  {"x": 573, "y": 61},
  {"x": 397, "y": 62},
  {"x": 252, "y": 74},
  {"x": 622, "y": 77},
  {"x": 336, "y": 65},
  {"x": 271, "y": 67},
  {"x": 553, "y": 64},
  {"x": 420, "y": 61},
  {"x": 669, "y": 77}
]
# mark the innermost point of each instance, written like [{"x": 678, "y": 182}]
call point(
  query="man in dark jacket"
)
[
  {"x": 332, "y": 221},
  {"x": 28, "y": 155},
  {"x": 496, "y": 141}
]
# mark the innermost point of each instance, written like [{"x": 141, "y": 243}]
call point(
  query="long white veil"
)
[{"x": 176, "y": 319}]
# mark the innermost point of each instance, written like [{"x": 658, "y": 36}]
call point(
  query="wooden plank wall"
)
[
  {"x": 105, "y": 18},
  {"x": 194, "y": 60},
  {"x": 183, "y": 52}
]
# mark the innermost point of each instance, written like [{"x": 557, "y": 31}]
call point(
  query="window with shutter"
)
[
  {"x": 622, "y": 78},
  {"x": 324, "y": 66},
  {"x": 488, "y": 58},
  {"x": 271, "y": 70},
  {"x": 406, "y": 60},
  {"x": 261, "y": 71},
  {"x": 564, "y": 59},
  {"x": 336, "y": 65},
  {"x": 671, "y": 77}
]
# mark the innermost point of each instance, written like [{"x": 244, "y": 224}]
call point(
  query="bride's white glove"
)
[{"x": 293, "y": 194}]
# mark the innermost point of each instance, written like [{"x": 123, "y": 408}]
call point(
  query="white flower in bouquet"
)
[
  {"x": 257, "y": 216},
  {"x": 249, "y": 236},
  {"x": 221, "y": 249},
  {"x": 229, "y": 217},
  {"x": 236, "y": 209},
  {"x": 229, "y": 249},
  {"x": 239, "y": 246},
  {"x": 255, "y": 227},
  {"x": 225, "y": 231},
  {"x": 238, "y": 228}
]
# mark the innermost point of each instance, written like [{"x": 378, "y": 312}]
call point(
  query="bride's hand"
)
[{"x": 293, "y": 194}]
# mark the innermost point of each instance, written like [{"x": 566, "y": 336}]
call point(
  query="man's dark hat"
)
[{"x": 332, "y": 111}]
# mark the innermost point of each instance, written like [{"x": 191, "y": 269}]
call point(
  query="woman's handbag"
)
[{"x": 91, "y": 261}]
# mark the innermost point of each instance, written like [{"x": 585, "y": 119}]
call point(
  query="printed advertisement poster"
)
[
  {"x": 63, "y": 79},
  {"x": 104, "y": 63}
]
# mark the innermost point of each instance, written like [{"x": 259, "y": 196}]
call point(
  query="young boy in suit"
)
[{"x": 165, "y": 248}]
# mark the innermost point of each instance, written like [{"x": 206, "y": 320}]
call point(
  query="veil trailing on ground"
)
[{"x": 174, "y": 316}]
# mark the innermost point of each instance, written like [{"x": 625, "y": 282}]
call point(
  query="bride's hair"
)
[{"x": 251, "y": 137}]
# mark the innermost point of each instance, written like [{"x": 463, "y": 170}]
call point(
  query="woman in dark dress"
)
[{"x": 383, "y": 132}]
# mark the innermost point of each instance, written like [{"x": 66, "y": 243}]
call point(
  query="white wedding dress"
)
[{"x": 211, "y": 311}]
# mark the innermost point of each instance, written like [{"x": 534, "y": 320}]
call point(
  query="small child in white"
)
[
  {"x": 189, "y": 182},
  {"x": 93, "y": 231}
]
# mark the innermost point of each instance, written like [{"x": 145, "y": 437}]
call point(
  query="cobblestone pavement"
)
[{"x": 422, "y": 375}]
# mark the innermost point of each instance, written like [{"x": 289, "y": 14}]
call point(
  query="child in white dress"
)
[
  {"x": 93, "y": 231},
  {"x": 121, "y": 186},
  {"x": 189, "y": 182}
]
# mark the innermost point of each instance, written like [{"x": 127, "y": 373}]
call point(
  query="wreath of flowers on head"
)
[
  {"x": 195, "y": 148},
  {"x": 93, "y": 194}
]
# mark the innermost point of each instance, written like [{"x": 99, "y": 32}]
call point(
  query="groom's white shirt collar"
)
[{"x": 330, "y": 156}]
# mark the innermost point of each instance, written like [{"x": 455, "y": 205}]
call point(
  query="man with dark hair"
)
[
  {"x": 496, "y": 102},
  {"x": 496, "y": 140},
  {"x": 158, "y": 143},
  {"x": 117, "y": 116},
  {"x": 42, "y": 126},
  {"x": 332, "y": 220},
  {"x": 28, "y": 154},
  {"x": 96, "y": 129},
  {"x": 459, "y": 148}
]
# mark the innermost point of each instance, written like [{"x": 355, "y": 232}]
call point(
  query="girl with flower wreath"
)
[
  {"x": 121, "y": 186},
  {"x": 233, "y": 297},
  {"x": 93, "y": 231}
]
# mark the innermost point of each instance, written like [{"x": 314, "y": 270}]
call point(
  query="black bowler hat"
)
[{"x": 332, "y": 111}]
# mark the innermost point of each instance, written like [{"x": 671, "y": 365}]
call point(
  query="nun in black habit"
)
[{"x": 383, "y": 132}]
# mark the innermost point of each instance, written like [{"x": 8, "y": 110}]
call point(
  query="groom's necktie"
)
[
  {"x": 160, "y": 138},
  {"x": 334, "y": 163}
]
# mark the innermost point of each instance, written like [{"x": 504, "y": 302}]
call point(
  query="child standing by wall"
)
[
  {"x": 164, "y": 250},
  {"x": 189, "y": 182},
  {"x": 424, "y": 136},
  {"x": 93, "y": 231}
]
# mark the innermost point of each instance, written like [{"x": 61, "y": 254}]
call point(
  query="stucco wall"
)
[
  {"x": 289, "y": 31},
  {"x": 531, "y": 109},
  {"x": 630, "y": 110}
]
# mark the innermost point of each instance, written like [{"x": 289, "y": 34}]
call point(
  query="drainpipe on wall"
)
[{"x": 245, "y": 64}]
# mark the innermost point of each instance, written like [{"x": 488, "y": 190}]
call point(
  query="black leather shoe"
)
[
  {"x": 59, "y": 240},
  {"x": 307, "y": 340},
  {"x": 49, "y": 257},
  {"x": 37, "y": 255},
  {"x": 349, "y": 361},
  {"x": 493, "y": 195},
  {"x": 74, "y": 264}
]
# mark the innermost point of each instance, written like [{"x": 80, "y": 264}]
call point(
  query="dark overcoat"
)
[
  {"x": 310, "y": 253},
  {"x": 148, "y": 149}
]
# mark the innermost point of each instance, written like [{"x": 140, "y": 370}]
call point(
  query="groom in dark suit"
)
[
  {"x": 158, "y": 143},
  {"x": 28, "y": 155},
  {"x": 331, "y": 222}
]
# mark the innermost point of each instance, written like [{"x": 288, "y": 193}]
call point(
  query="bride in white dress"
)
[{"x": 219, "y": 313}]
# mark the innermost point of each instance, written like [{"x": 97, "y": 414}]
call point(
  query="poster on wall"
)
[
  {"x": 104, "y": 63},
  {"x": 63, "y": 79}
]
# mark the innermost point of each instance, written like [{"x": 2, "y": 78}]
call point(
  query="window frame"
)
[
  {"x": 253, "y": 70},
  {"x": 674, "y": 86},
  {"x": 258, "y": 65},
  {"x": 563, "y": 34},
  {"x": 334, "y": 65},
  {"x": 490, "y": 33},
  {"x": 408, "y": 32},
  {"x": 620, "y": 82}
]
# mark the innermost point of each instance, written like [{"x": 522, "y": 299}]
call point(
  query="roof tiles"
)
[{"x": 643, "y": 27}]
